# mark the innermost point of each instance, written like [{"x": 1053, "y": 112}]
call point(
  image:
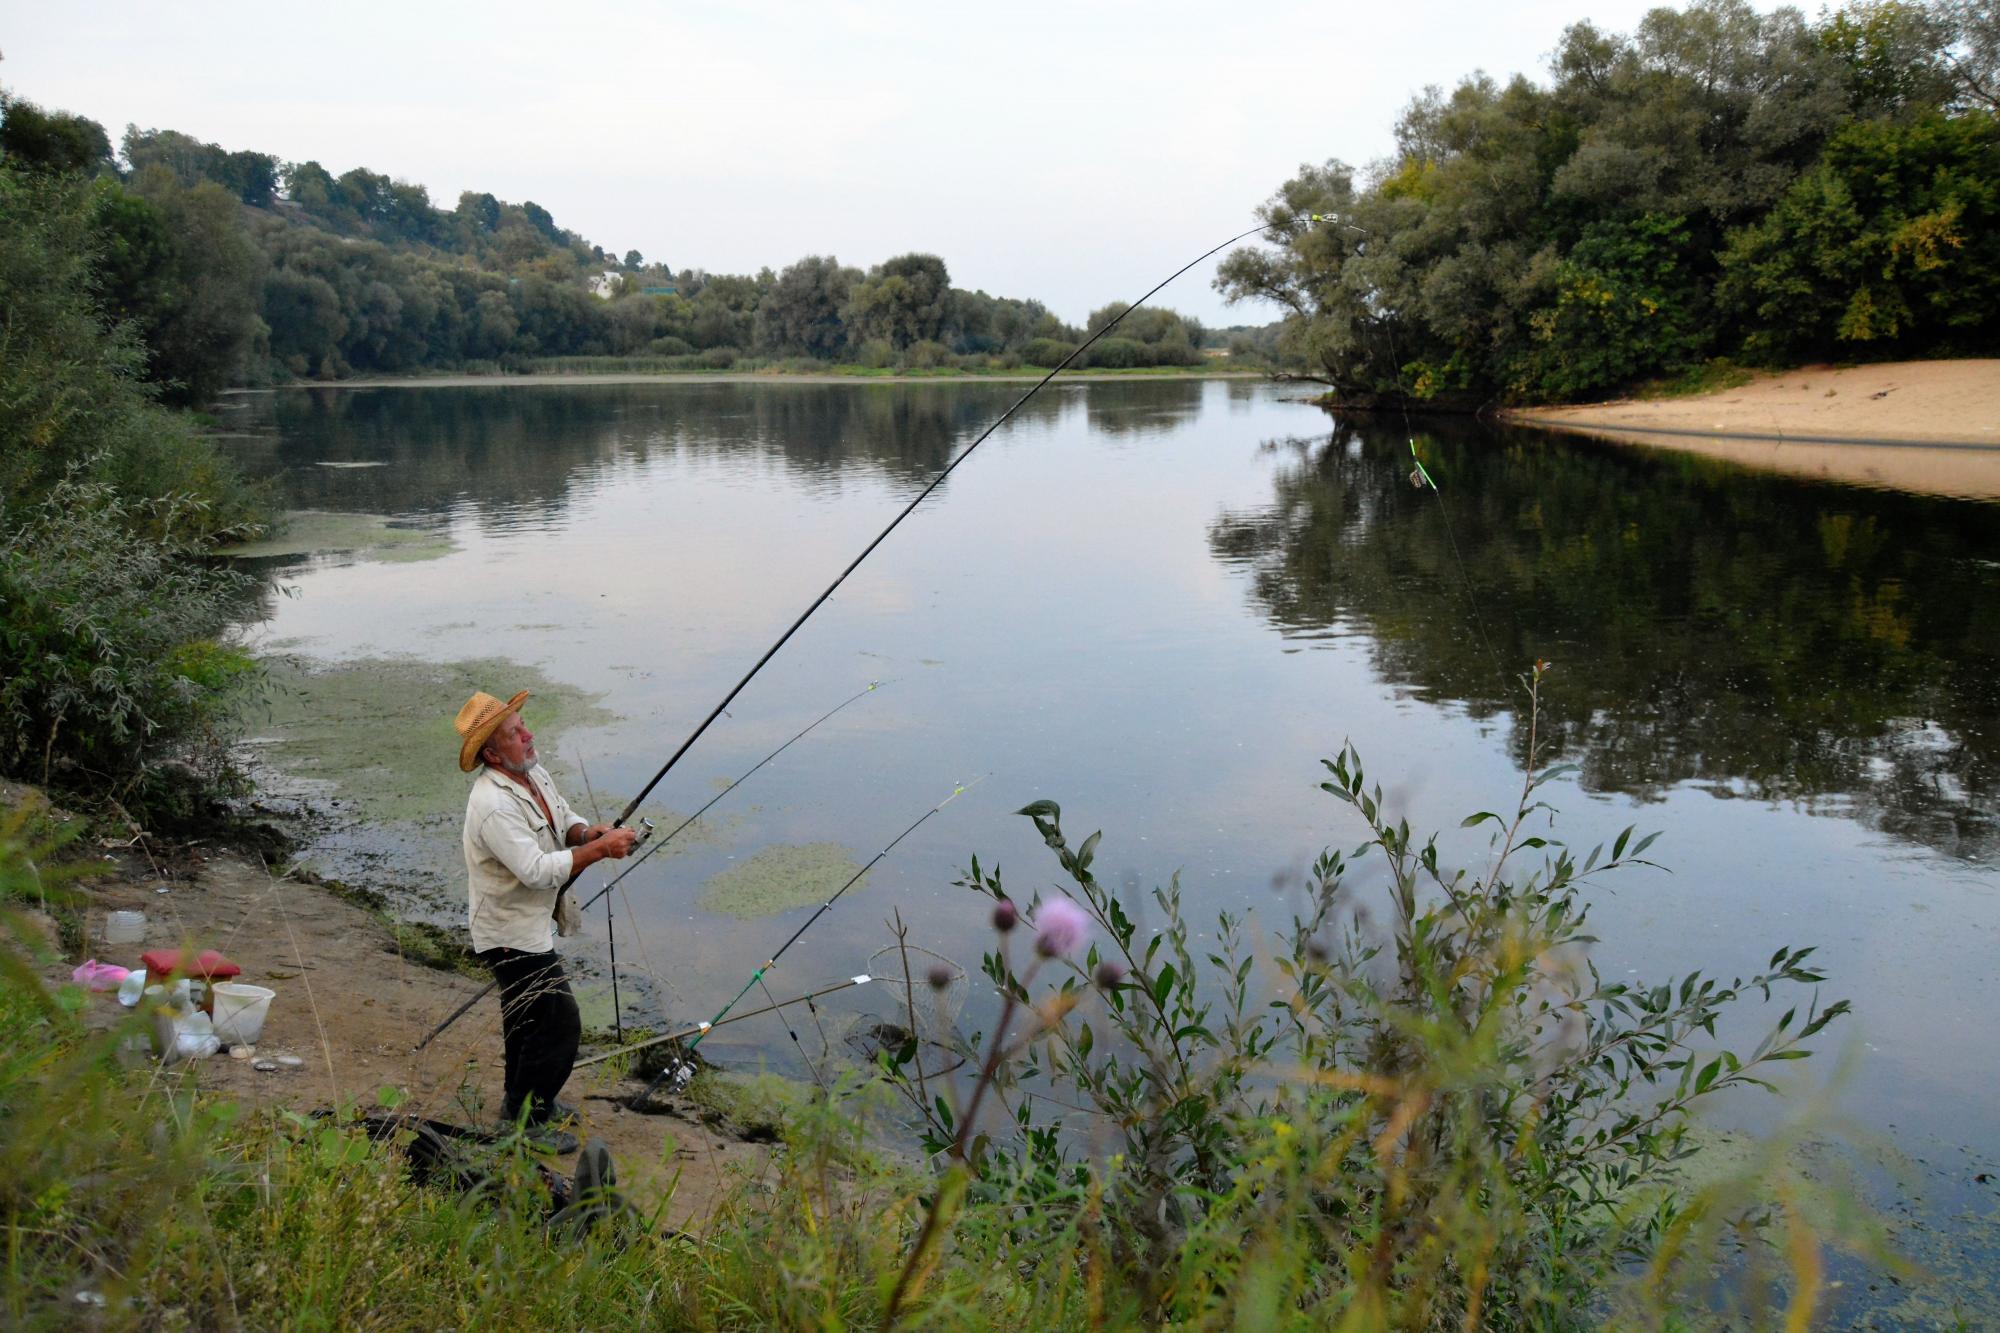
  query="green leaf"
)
[
  {"x": 1040, "y": 809},
  {"x": 1470, "y": 820}
]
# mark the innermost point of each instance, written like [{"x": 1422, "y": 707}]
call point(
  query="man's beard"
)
[{"x": 528, "y": 762}]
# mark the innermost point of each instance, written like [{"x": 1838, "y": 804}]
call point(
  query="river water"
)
[{"x": 1162, "y": 604}]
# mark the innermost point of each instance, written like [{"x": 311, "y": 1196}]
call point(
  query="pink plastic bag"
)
[{"x": 98, "y": 976}]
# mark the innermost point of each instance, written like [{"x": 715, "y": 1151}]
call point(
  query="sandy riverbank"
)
[{"x": 1926, "y": 426}]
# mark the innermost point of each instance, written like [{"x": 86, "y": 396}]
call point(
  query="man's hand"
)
[
  {"x": 598, "y": 842},
  {"x": 579, "y": 835}
]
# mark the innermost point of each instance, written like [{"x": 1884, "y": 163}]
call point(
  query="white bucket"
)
[{"x": 240, "y": 1010}]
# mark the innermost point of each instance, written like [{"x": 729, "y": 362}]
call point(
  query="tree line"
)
[
  {"x": 1716, "y": 183},
  {"x": 238, "y": 267}
]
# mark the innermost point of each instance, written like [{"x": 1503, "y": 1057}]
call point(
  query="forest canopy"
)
[
  {"x": 1715, "y": 183},
  {"x": 238, "y": 266}
]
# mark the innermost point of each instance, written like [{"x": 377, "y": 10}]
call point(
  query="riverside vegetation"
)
[
  {"x": 1719, "y": 183},
  {"x": 1417, "y": 1110},
  {"x": 117, "y": 683}
]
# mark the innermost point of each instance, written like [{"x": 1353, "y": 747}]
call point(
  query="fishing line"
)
[
  {"x": 487, "y": 989},
  {"x": 681, "y": 1070},
  {"x": 746, "y": 1015},
  {"x": 1420, "y": 476},
  {"x": 921, "y": 496},
  {"x": 793, "y": 1033},
  {"x": 871, "y": 687}
]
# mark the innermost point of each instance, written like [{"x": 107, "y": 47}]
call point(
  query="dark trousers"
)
[{"x": 539, "y": 1025}]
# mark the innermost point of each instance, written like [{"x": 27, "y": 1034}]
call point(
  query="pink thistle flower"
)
[{"x": 1060, "y": 926}]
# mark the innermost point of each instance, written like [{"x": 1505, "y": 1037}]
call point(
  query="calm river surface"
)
[{"x": 1162, "y": 604}]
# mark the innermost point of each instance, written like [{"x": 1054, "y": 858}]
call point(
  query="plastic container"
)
[
  {"x": 240, "y": 1011},
  {"x": 130, "y": 989},
  {"x": 94, "y": 975},
  {"x": 124, "y": 927}
]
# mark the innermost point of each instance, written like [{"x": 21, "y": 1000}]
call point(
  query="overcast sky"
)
[{"x": 1072, "y": 153}]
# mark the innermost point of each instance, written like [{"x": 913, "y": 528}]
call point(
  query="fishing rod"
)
[
  {"x": 487, "y": 989},
  {"x": 680, "y": 1071},
  {"x": 758, "y": 1012},
  {"x": 921, "y": 496},
  {"x": 610, "y": 925}
]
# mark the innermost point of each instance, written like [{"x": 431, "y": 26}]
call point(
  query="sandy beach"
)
[{"x": 1926, "y": 426}]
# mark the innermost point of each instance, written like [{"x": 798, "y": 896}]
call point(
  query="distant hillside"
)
[{"x": 235, "y": 266}]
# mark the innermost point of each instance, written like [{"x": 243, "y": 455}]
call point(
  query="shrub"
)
[
  {"x": 717, "y": 358},
  {"x": 929, "y": 355},
  {"x": 1046, "y": 352},
  {"x": 108, "y": 617},
  {"x": 876, "y": 354},
  {"x": 1446, "y": 1121},
  {"x": 1115, "y": 353}
]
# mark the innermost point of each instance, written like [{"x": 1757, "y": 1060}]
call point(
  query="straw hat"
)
[{"x": 477, "y": 721}]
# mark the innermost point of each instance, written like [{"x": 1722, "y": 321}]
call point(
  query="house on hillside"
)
[{"x": 605, "y": 285}]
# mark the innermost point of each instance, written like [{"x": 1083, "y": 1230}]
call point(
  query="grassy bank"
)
[{"x": 1410, "y": 1108}]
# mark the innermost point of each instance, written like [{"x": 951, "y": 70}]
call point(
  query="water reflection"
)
[
  {"x": 514, "y": 451},
  {"x": 1769, "y": 638}
]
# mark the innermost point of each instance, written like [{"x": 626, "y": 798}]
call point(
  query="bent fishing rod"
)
[
  {"x": 681, "y": 1070},
  {"x": 487, "y": 989},
  {"x": 819, "y": 601}
]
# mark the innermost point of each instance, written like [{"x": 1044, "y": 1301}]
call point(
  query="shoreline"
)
[
  {"x": 351, "y": 1004},
  {"x": 1931, "y": 427},
  {"x": 467, "y": 381}
]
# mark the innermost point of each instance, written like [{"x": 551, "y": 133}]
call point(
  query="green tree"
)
[
  {"x": 1627, "y": 305},
  {"x": 252, "y": 177},
  {"x": 52, "y": 140},
  {"x": 1891, "y": 244},
  {"x": 903, "y": 301},
  {"x": 801, "y": 314},
  {"x": 201, "y": 313}
]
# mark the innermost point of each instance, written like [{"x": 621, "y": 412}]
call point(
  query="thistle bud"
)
[
  {"x": 1108, "y": 975},
  {"x": 1060, "y": 927},
  {"x": 1004, "y": 916},
  {"x": 940, "y": 976}
]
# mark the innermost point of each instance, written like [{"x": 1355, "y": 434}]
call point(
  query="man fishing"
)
[{"x": 523, "y": 847}]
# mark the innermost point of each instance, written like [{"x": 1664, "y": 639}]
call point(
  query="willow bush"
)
[{"x": 1428, "y": 1111}]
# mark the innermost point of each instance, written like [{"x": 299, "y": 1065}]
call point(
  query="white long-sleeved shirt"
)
[{"x": 515, "y": 861}]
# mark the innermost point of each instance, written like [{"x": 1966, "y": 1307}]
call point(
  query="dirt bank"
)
[
  {"x": 351, "y": 1007},
  {"x": 1928, "y": 426}
]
